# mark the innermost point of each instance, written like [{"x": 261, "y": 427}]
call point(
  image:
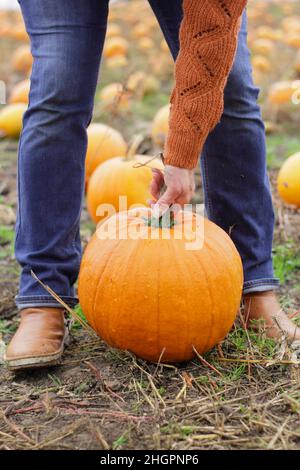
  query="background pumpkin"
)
[
  {"x": 120, "y": 177},
  {"x": 157, "y": 299},
  {"x": 282, "y": 92},
  {"x": 104, "y": 142},
  {"x": 22, "y": 59},
  {"x": 11, "y": 119},
  {"x": 289, "y": 180},
  {"x": 115, "y": 46},
  {"x": 114, "y": 97},
  {"x": 160, "y": 125},
  {"x": 20, "y": 92}
]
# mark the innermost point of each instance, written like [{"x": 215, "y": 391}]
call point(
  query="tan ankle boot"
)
[
  {"x": 39, "y": 340},
  {"x": 264, "y": 307}
]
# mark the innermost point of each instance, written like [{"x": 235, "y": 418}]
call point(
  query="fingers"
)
[
  {"x": 165, "y": 201},
  {"x": 156, "y": 183},
  {"x": 180, "y": 188}
]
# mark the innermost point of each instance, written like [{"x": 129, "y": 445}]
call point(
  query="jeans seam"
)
[
  {"x": 41, "y": 297},
  {"x": 261, "y": 282}
]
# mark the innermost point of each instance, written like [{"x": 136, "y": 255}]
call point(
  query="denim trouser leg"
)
[
  {"x": 233, "y": 164},
  {"x": 66, "y": 39}
]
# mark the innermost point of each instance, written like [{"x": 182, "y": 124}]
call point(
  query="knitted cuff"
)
[{"x": 178, "y": 144}]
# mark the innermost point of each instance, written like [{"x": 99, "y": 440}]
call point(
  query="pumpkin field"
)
[{"x": 245, "y": 392}]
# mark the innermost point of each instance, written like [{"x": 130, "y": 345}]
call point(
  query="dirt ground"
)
[{"x": 244, "y": 395}]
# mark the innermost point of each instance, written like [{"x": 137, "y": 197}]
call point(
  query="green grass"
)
[
  {"x": 82, "y": 387},
  {"x": 7, "y": 327},
  {"x": 238, "y": 340},
  {"x": 121, "y": 441},
  {"x": 149, "y": 105},
  {"x": 7, "y": 235},
  {"x": 286, "y": 261},
  {"x": 76, "y": 325},
  {"x": 279, "y": 147},
  {"x": 55, "y": 380}
]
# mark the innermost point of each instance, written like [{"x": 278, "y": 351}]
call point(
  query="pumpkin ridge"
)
[
  {"x": 158, "y": 309},
  {"x": 101, "y": 276},
  {"x": 216, "y": 247},
  {"x": 182, "y": 279},
  {"x": 133, "y": 256},
  {"x": 212, "y": 322}
]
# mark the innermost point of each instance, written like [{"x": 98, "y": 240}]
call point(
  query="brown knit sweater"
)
[{"x": 208, "y": 41}]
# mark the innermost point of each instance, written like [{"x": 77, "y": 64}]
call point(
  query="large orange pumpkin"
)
[
  {"x": 153, "y": 296},
  {"x": 120, "y": 177}
]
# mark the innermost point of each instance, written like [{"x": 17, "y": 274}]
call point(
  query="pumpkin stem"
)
[
  {"x": 167, "y": 220},
  {"x": 140, "y": 165}
]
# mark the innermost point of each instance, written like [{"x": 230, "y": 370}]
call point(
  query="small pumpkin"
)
[
  {"x": 263, "y": 46},
  {"x": 20, "y": 92},
  {"x": 116, "y": 62},
  {"x": 291, "y": 23},
  {"x": 115, "y": 45},
  {"x": 19, "y": 33},
  {"x": 293, "y": 39},
  {"x": 160, "y": 125},
  {"x": 117, "y": 177},
  {"x": 146, "y": 44},
  {"x": 261, "y": 63},
  {"x": 141, "y": 30},
  {"x": 297, "y": 63},
  {"x": 114, "y": 97},
  {"x": 289, "y": 180},
  {"x": 104, "y": 143},
  {"x": 142, "y": 84},
  {"x": 282, "y": 92},
  {"x": 153, "y": 297},
  {"x": 266, "y": 32},
  {"x": 22, "y": 59},
  {"x": 113, "y": 29},
  {"x": 11, "y": 119}
]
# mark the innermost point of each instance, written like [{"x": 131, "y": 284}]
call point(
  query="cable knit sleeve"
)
[{"x": 208, "y": 41}]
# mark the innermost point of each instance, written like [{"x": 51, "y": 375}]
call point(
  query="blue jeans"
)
[{"x": 67, "y": 40}]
